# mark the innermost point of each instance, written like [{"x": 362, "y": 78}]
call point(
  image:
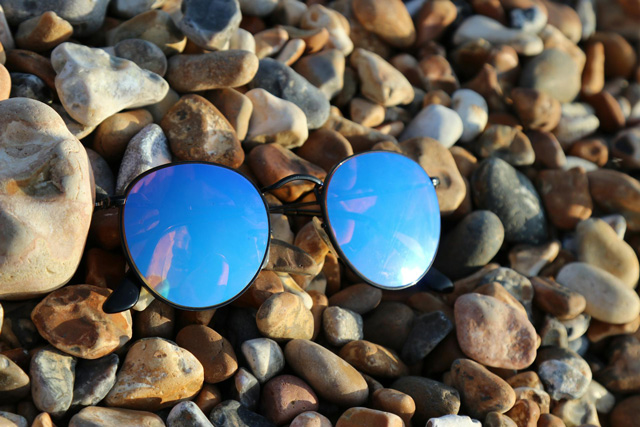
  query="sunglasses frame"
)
[{"x": 123, "y": 297}]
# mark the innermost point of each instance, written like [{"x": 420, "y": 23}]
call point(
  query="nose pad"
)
[{"x": 320, "y": 228}]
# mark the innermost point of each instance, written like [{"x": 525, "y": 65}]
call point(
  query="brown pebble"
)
[
  {"x": 525, "y": 413},
  {"x": 196, "y": 130},
  {"x": 547, "y": 149},
  {"x": 211, "y": 349},
  {"x": 373, "y": 359},
  {"x": 481, "y": 391},
  {"x": 433, "y": 19},
  {"x": 271, "y": 162},
  {"x": 496, "y": 290},
  {"x": 208, "y": 398},
  {"x": 593, "y": 73},
  {"x": 537, "y": 395},
  {"x": 113, "y": 135},
  {"x": 72, "y": 320},
  {"x": 43, "y": 420},
  {"x": 43, "y": 32},
  {"x": 626, "y": 413},
  {"x": 325, "y": 148},
  {"x": 566, "y": 196},
  {"x": 550, "y": 420},
  {"x": 389, "y": 20},
  {"x": 157, "y": 320},
  {"x": 599, "y": 330},
  {"x": 266, "y": 284},
  {"x": 358, "y": 416},
  {"x": 537, "y": 110},
  {"x": 395, "y": 402},
  {"x": 320, "y": 302},
  {"x": 556, "y": 299},
  {"x": 525, "y": 379},
  {"x": 360, "y": 298},
  {"x": 234, "y": 106},
  {"x": 284, "y": 397},
  {"x": 496, "y": 419},
  {"x": 310, "y": 419},
  {"x": 466, "y": 162},
  {"x": 593, "y": 150},
  {"x": 25, "y": 61},
  {"x": 270, "y": 41},
  {"x": 283, "y": 316},
  {"x": 617, "y": 192},
  {"x": 608, "y": 111},
  {"x": 619, "y": 55}
]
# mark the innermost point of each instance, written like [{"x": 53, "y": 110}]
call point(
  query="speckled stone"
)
[
  {"x": 264, "y": 356},
  {"x": 187, "y": 414},
  {"x": 211, "y": 349},
  {"x": 564, "y": 373},
  {"x": 341, "y": 325},
  {"x": 231, "y": 413},
  {"x": 373, "y": 359},
  {"x": 95, "y": 416},
  {"x": 94, "y": 379},
  {"x": 52, "y": 374}
]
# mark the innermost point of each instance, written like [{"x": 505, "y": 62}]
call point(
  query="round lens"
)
[
  {"x": 383, "y": 214},
  {"x": 196, "y": 233}
]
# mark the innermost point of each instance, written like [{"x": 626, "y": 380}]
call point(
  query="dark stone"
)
[
  {"x": 470, "y": 245},
  {"x": 433, "y": 399},
  {"x": 232, "y": 414},
  {"x": 210, "y": 23},
  {"x": 428, "y": 330},
  {"x": 240, "y": 325},
  {"x": 18, "y": 328},
  {"x": 144, "y": 53},
  {"x": 389, "y": 324},
  {"x": 187, "y": 414},
  {"x": 509, "y": 194},
  {"x": 25, "y": 85},
  {"x": 246, "y": 389},
  {"x": 282, "y": 81},
  {"x": 94, "y": 379}
]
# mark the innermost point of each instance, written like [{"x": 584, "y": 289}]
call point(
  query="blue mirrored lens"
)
[
  {"x": 197, "y": 233},
  {"x": 383, "y": 213}
]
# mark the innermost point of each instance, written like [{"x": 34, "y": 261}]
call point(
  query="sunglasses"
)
[{"x": 197, "y": 234}]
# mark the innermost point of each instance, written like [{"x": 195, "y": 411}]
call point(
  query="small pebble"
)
[
  {"x": 14, "y": 382},
  {"x": 155, "y": 26},
  {"x": 187, "y": 414},
  {"x": 283, "y": 316},
  {"x": 246, "y": 389},
  {"x": 453, "y": 421},
  {"x": 231, "y": 413},
  {"x": 373, "y": 359},
  {"x": 324, "y": 70},
  {"x": 507, "y": 143},
  {"x": 93, "y": 380},
  {"x": 432, "y": 398},
  {"x": 52, "y": 373},
  {"x": 211, "y": 349},
  {"x": 557, "y": 300},
  {"x": 553, "y": 72},
  {"x": 210, "y": 25},
  {"x": 341, "y": 325},
  {"x": 427, "y": 332},
  {"x": 358, "y": 416},
  {"x": 437, "y": 122},
  {"x": 318, "y": 16},
  {"x": 388, "y": 20},
  {"x": 473, "y": 111},
  {"x": 285, "y": 397},
  {"x": 564, "y": 374},
  {"x": 565, "y": 194},
  {"x": 43, "y": 32},
  {"x": 264, "y": 356},
  {"x": 310, "y": 419}
]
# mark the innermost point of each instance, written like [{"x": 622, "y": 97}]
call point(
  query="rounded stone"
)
[
  {"x": 481, "y": 391},
  {"x": 537, "y": 110},
  {"x": 474, "y": 242},
  {"x": 325, "y": 70},
  {"x": 626, "y": 412},
  {"x": 282, "y": 81},
  {"x": 360, "y": 298},
  {"x": 389, "y": 20},
  {"x": 553, "y": 72},
  {"x": 52, "y": 188},
  {"x": 211, "y": 349},
  {"x": 213, "y": 70},
  {"x": 196, "y": 130},
  {"x": 52, "y": 374},
  {"x": 508, "y": 193},
  {"x": 283, "y": 316},
  {"x": 73, "y": 321},
  {"x": 145, "y": 54},
  {"x": 330, "y": 376},
  {"x": 285, "y": 397},
  {"x": 565, "y": 194},
  {"x": 394, "y": 401},
  {"x": 373, "y": 359},
  {"x": 156, "y": 374},
  {"x": 310, "y": 419},
  {"x": 608, "y": 299},
  {"x": 93, "y": 380},
  {"x": 14, "y": 382},
  {"x": 113, "y": 135},
  {"x": 187, "y": 414},
  {"x": 564, "y": 374},
  {"x": 210, "y": 24},
  {"x": 341, "y": 326},
  {"x": 98, "y": 416},
  {"x": 389, "y": 324},
  {"x": 600, "y": 246},
  {"x": 155, "y": 26},
  {"x": 437, "y": 122},
  {"x": 428, "y": 330},
  {"x": 507, "y": 143},
  {"x": 43, "y": 32},
  {"x": 616, "y": 192},
  {"x": 359, "y": 416},
  {"x": 432, "y": 398},
  {"x": 473, "y": 111},
  {"x": 264, "y": 356},
  {"x": 494, "y": 333}
]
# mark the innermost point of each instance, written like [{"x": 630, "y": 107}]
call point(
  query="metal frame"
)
[{"x": 122, "y": 298}]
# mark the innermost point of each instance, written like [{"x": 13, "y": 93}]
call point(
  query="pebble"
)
[
  {"x": 341, "y": 326},
  {"x": 211, "y": 349},
  {"x": 358, "y": 416},
  {"x": 437, "y": 122},
  {"x": 389, "y": 324},
  {"x": 498, "y": 187},
  {"x": 427, "y": 332},
  {"x": 43, "y": 32},
  {"x": 6, "y": 39},
  {"x": 577, "y": 326},
  {"x": 540, "y": 397},
  {"x": 481, "y": 391},
  {"x": 187, "y": 414},
  {"x": 565, "y": 374},
  {"x": 292, "y": 51},
  {"x": 72, "y": 320},
  {"x": 453, "y": 421},
  {"x": 365, "y": 112},
  {"x": 208, "y": 398},
  {"x": 575, "y": 125},
  {"x": 264, "y": 357},
  {"x": 44, "y": 252},
  {"x": 497, "y": 291},
  {"x": 234, "y": 106},
  {"x": 600, "y": 330},
  {"x": 529, "y": 260},
  {"x": 394, "y": 401},
  {"x": 269, "y": 42},
  {"x": 52, "y": 373},
  {"x": 98, "y": 416},
  {"x": 331, "y": 377},
  {"x": 210, "y": 24},
  {"x": 616, "y": 192},
  {"x": 131, "y": 8},
  {"x": 494, "y": 333},
  {"x": 625, "y": 147},
  {"x": 5, "y": 83},
  {"x": 373, "y": 359},
  {"x": 516, "y": 284},
  {"x": 437, "y": 161},
  {"x": 537, "y": 110},
  {"x": 482, "y": 27},
  {"x": 507, "y": 143},
  {"x": 565, "y": 194},
  {"x": 231, "y": 413},
  {"x": 473, "y": 111},
  {"x": 82, "y": 73},
  {"x": 317, "y": 16},
  {"x": 143, "y": 53},
  {"x": 156, "y": 374},
  {"x": 14, "y": 382},
  {"x": 271, "y": 162},
  {"x": 246, "y": 389},
  {"x": 622, "y": 373},
  {"x": 12, "y": 420},
  {"x": 626, "y": 412},
  {"x": 196, "y": 130},
  {"x": 275, "y": 120},
  {"x": 213, "y": 70},
  {"x": 556, "y": 299},
  {"x": 155, "y": 26},
  {"x": 380, "y": 81},
  {"x": 93, "y": 380},
  {"x": 25, "y": 85},
  {"x": 620, "y": 57},
  {"x": 388, "y": 20},
  {"x": 258, "y": 7},
  {"x": 608, "y": 299},
  {"x": 310, "y": 419},
  {"x": 284, "y": 317},
  {"x": 324, "y": 70},
  {"x": 285, "y": 397},
  {"x": 105, "y": 182},
  {"x": 553, "y": 72},
  {"x": 547, "y": 149},
  {"x": 283, "y": 82},
  {"x": 593, "y": 150},
  {"x": 600, "y": 246},
  {"x": 432, "y": 398},
  {"x": 360, "y": 298},
  {"x": 433, "y": 19}
]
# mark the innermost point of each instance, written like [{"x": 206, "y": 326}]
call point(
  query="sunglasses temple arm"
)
[
  {"x": 106, "y": 202},
  {"x": 284, "y": 181},
  {"x": 124, "y": 297}
]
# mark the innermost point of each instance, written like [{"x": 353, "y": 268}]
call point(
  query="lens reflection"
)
[
  {"x": 197, "y": 233},
  {"x": 383, "y": 212}
]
